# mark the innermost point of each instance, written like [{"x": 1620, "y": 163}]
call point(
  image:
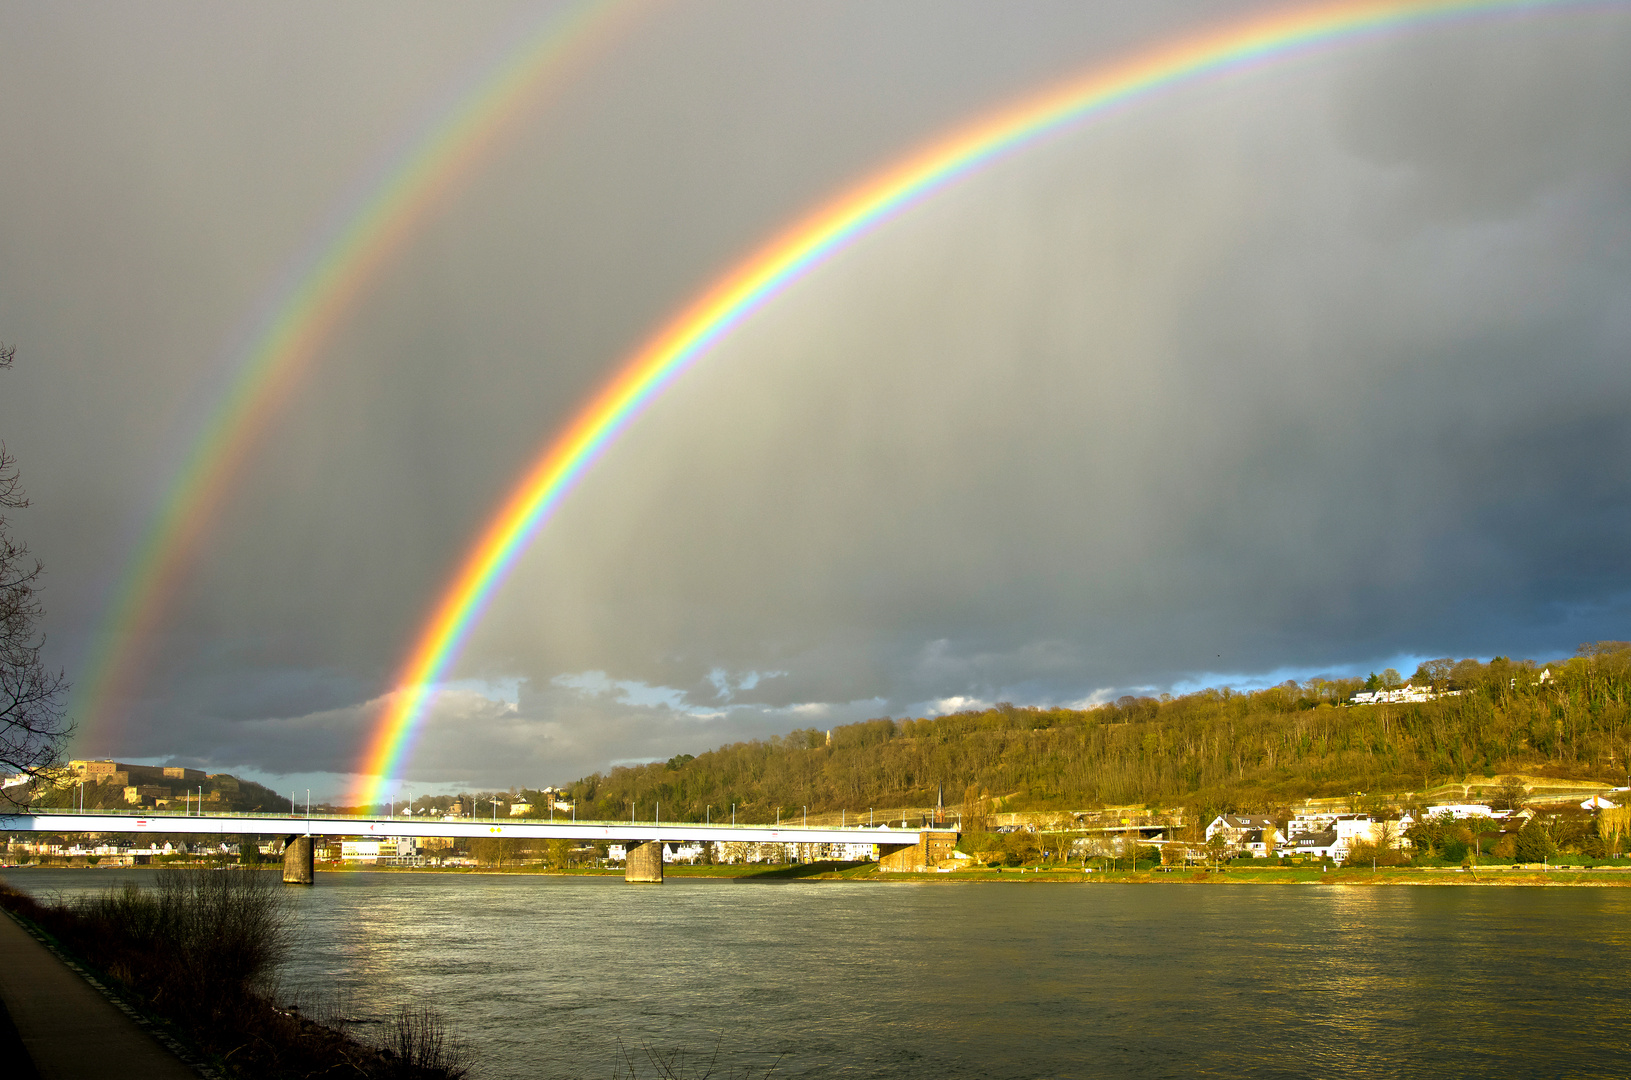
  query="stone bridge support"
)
[
  {"x": 645, "y": 863},
  {"x": 900, "y": 857},
  {"x": 299, "y": 866},
  {"x": 932, "y": 846}
]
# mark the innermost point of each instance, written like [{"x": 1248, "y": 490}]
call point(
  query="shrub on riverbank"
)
[
  {"x": 218, "y": 934},
  {"x": 199, "y": 951}
]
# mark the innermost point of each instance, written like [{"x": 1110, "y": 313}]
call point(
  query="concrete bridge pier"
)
[
  {"x": 645, "y": 863},
  {"x": 299, "y": 866}
]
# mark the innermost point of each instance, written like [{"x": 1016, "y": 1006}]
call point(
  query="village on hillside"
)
[
  {"x": 1529, "y": 820},
  {"x": 1523, "y": 820}
]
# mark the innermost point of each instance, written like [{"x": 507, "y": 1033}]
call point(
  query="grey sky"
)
[{"x": 1306, "y": 369}]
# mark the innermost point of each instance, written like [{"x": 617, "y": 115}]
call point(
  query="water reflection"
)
[{"x": 548, "y": 975}]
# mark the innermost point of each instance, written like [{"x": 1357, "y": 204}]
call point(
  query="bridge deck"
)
[{"x": 334, "y": 825}]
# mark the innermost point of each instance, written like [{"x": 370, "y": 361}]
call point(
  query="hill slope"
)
[{"x": 1217, "y": 749}]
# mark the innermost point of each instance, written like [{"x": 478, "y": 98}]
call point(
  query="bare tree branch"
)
[{"x": 33, "y": 727}]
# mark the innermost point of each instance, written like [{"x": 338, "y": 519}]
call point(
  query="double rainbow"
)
[
  {"x": 411, "y": 185},
  {"x": 811, "y": 241}
]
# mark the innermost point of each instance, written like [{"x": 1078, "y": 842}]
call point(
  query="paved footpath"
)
[{"x": 69, "y": 1029}]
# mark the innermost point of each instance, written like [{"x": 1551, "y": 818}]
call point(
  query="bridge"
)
[{"x": 898, "y": 848}]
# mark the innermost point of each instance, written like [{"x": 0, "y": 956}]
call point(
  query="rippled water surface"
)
[{"x": 547, "y": 977}]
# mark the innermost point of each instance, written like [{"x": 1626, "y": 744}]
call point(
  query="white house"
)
[
  {"x": 1234, "y": 827},
  {"x": 1303, "y": 824},
  {"x": 387, "y": 849},
  {"x": 690, "y": 852},
  {"x": 1333, "y": 836},
  {"x": 673, "y": 851},
  {"x": 1406, "y": 693},
  {"x": 1357, "y": 828},
  {"x": 1461, "y": 811},
  {"x": 1314, "y": 845},
  {"x": 366, "y": 851},
  {"x": 1261, "y": 843}
]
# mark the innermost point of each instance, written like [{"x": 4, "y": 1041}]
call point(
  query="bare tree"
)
[
  {"x": 1385, "y": 833},
  {"x": 1512, "y": 794},
  {"x": 33, "y": 728}
]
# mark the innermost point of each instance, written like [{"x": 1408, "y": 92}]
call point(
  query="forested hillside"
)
[{"x": 1215, "y": 749}]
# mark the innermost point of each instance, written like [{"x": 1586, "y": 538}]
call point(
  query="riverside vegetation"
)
[
  {"x": 198, "y": 952},
  {"x": 1213, "y": 751}
]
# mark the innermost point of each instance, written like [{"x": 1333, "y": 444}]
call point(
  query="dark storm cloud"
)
[
  {"x": 1312, "y": 367},
  {"x": 1220, "y": 381}
]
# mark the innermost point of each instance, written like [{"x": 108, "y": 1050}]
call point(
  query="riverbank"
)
[
  {"x": 60, "y": 1025},
  {"x": 1591, "y": 877},
  {"x": 188, "y": 962},
  {"x": 1386, "y": 876},
  {"x": 1617, "y": 876},
  {"x": 556, "y": 976}
]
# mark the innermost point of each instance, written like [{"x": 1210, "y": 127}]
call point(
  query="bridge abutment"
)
[
  {"x": 645, "y": 863},
  {"x": 299, "y": 864},
  {"x": 932, "y": 846}
]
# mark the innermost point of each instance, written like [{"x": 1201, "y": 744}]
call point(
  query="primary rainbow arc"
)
[{"x": 793, "y": 254}]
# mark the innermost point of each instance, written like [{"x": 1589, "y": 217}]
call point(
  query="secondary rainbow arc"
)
[
  {"x": 791, "y": 255},
  {"x": 288, "y": 342}
]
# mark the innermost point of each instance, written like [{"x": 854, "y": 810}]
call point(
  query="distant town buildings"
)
[
  {"x": 1333, "y": 836},
  {"x": 1406, "y": 693},
  {"x": 1234, "y": 828},
  {"x": 1461, "y": 811},
  {"x": 1410, "y": 692},
  {"x": 753, "y": 852},
  {"x": 383, "y": 851},
  {"x": 113, "y": 772},
  {"x": 120, "y": 852},
  {"x": 1308, "y": 836},
  {"x": 550, "y": 799},
  {"x": 151, "y": 785}
]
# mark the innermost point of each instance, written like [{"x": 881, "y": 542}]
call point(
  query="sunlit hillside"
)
[{"x": 1209, "y": 750}]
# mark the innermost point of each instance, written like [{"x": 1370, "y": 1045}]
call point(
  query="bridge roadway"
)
[
  {"x": 642, "y": 837},
  {"x": 526, "y": 828}
]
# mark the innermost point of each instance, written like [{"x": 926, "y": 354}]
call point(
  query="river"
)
[{"x": 557, "y": 977}]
